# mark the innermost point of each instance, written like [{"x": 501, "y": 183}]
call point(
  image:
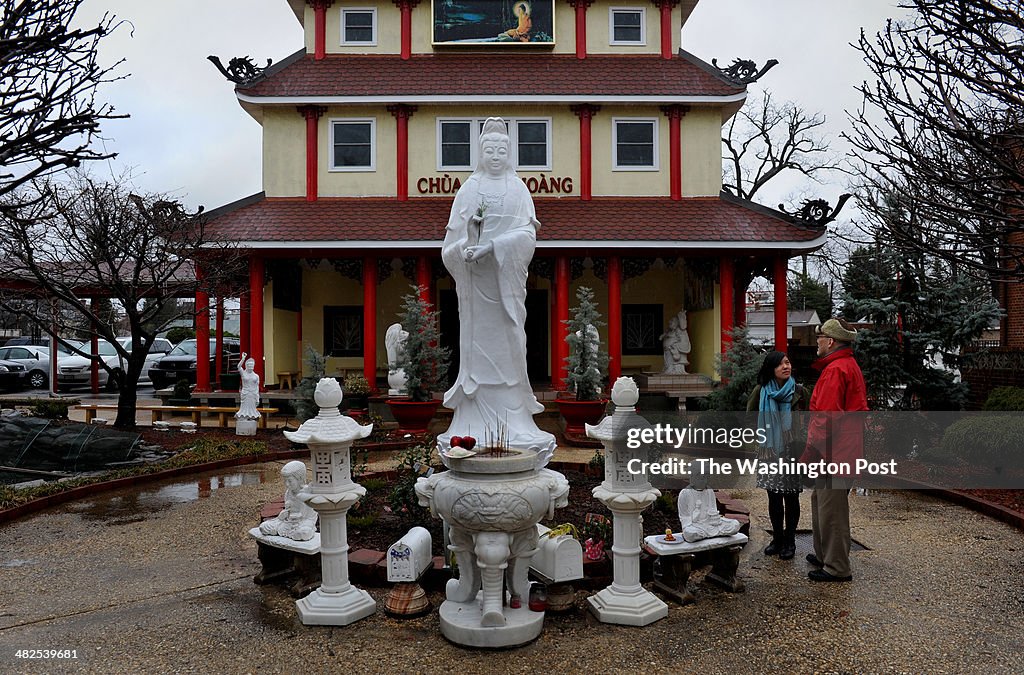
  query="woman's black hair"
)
[{"x": 767, "y": 372}]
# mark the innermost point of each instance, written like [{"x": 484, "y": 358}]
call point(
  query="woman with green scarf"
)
[{"x": 774, "y": 398}]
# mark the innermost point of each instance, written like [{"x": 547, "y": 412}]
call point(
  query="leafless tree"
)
[
  {"x": 765, "y": 139},
  {"x": 49, "y": 76},
  {"x": 84, "y": 239},
  {"x": 942, "y": 127}
]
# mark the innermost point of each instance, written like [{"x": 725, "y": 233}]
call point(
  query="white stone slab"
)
[
  {"x": 635, "y": 607},
  {"x": 335, "y": 609},
  {"x": 309, "y": 547},
  {"x": 652, "y": 543}
]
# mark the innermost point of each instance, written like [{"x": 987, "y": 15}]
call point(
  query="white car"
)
[
  {"x": 35, "y": 359},
  {"x": 75, "y": 370}
]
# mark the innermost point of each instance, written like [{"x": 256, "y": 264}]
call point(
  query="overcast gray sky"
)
[{"x": 188, "y": 136}]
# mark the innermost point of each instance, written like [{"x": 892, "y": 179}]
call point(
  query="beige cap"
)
[{"x": 837, "y": 329}]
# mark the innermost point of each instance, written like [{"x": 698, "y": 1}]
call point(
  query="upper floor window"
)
[
  {"x": 635, "y": 143},
  {"x": 626, "y": 26},
  {"x": 359, "y": 26},
  {"x": 458, "y": 140},
  {"x": 353, "y": 144}
]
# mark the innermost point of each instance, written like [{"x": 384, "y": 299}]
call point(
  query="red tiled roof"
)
[
  {"x": 475, "y": 74},
  {"x": 639, "y": 219}
]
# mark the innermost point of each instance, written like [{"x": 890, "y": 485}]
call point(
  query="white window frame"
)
[
  {"x": 372, "y": 121},
  {"x": 643, "y": 25},
  {"x": 513, "y": 133},
  {"x": 655, "y": 122},
  {"x": 353, "y": 10}
]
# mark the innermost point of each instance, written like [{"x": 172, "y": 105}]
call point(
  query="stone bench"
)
[
  {"x": 282, "y": 558},
  {"x": 674, "y": 563},
  {"x": 195, "y": 410}
]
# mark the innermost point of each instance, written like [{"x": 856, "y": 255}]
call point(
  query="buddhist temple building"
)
[{"x": 371, "y": 126}]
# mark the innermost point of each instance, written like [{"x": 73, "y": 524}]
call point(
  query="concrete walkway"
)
[{"x": 159, "y": 579}]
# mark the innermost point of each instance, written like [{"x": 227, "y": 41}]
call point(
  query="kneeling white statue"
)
[
  {"x": 297, "y": 519},
  {"x": 698, "y": 513}
]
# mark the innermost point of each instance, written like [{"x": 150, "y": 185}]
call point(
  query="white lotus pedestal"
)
[
  {"x": 492, "y": 505},
  {"x": 626, "y": 601},
  {"x": 332, "y": 493}
]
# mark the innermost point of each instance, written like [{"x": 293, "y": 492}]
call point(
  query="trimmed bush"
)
[
  {"x": 52, "y": 408},
  {"x": 1005, "y": 398},
  {"x": 990, "y": 442}
]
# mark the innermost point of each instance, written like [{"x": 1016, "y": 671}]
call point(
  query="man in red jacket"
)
[{"x": 834, "y": 438}]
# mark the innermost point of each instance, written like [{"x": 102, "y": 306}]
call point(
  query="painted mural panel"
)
[{"x": 497, "y": 22}]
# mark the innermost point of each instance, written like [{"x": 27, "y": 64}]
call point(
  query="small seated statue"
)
[
  {"x": 698, "y": 513},
  {"x": 297, "y": 519}
]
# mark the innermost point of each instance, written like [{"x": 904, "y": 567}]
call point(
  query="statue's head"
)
[
  {"x": 495, "y": 148},
  {"x": 294, "y": 474},
  {"x": 250, "y": 364},
  {"x": 328, "y": 393}
]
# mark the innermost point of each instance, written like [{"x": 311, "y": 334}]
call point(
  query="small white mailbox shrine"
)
[
  {"x": 558, "y": 559},
  {"x": 409, "y": 557}
]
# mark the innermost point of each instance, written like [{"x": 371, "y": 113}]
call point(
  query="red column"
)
[
  {"x": 581, "y": 26},
  {"x": 320, "y": 27},
  {"x": 402, "y": 114},
  {"x": 256, "y": 314},
  {"x": 586, "y": 113},
  {"x": 244, "y": 321},
  {"x": 406, "y": 6},
  {"x": 370, "y": 320},
  {"x": 298, "y": 338},
  {"x": 94, "y": 343},
  {"x": 781, "y": 315},
  {"x": 614, "y": 318},
  {"x": 424, "y": 278},
  {"x": 666, "y": 27},
  {"x": 202, "y": 335},
  {"x": 726, "y": 300},
  {"x": 559, "y": 348},
  {"x": 675, "y": 171},
  {"x": 312, "y": 114},
  {"x": 218, "y": 359}
]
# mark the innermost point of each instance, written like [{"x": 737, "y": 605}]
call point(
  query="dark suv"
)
[{"x": 180, "y": 362}]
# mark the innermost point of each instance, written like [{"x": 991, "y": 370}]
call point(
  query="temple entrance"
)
[{"x": 536, "y": 333}]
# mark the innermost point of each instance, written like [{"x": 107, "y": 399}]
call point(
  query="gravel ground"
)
[{"x": 159, "y": 579}]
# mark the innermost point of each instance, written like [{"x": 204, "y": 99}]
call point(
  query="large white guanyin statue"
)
[
  {"x": 488, "y": 245},
  {"x": 394, "y": 343}
]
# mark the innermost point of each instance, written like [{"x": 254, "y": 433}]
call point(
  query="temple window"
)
[
  {"x": 343, "y": 330},
  {"x": 457, "y": 142},
  {"x": 352, "y": 144},
  {"x": 635, "y": 141},
  {"x": 626, "y": 26},
  {"x": 359, "y": 26},
  {"x": 641, "y": 329}
]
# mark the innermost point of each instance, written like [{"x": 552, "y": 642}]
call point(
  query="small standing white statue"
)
[
  {"x": 297, "y": 520},
  {"x": 698, "y": 512},
  {"x": 676, "y": 345},
  {"x": 394, "y": 343},
  {"x": 249, "y": 398}
]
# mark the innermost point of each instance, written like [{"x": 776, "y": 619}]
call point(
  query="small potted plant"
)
[
  {"x": 424, "y": 361},
  {"x": 357, "y": 392},
  {"x": 586, "y": 361},
  {"x": 182, "y": 393}
]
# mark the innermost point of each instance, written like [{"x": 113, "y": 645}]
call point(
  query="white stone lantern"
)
[
  {"x": 626, "y": 601},
  {"x": 332, "y": 493}
]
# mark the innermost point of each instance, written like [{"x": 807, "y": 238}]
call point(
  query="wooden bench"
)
[
  {"x": 195, "y": 410},
  {"x": 286, "y": 379}
]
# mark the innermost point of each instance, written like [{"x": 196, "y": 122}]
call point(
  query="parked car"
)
[
  {"x": 75, "y": 370},
  {"x": 36, "y": 361},
  {"x": 157, "y": 350},
  {"x": 180, "y": 362},
  {"x": 13, "y": 376}
]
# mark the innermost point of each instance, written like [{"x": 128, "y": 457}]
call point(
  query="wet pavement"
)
[{"x": 159, "y": 579}]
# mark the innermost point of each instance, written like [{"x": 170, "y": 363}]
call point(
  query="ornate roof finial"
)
[
  {"x": 815, "y": 212},
  {"x": 744, "y": 71},
  {"x": 241, "y": 69}
]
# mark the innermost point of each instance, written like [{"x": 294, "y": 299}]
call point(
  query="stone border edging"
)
[{"x": 961, "y": 498}]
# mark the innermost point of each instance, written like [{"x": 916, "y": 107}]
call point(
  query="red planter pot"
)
[
  {"x": 413, "y": 417},
  {"x": 578, "y": 413}
]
